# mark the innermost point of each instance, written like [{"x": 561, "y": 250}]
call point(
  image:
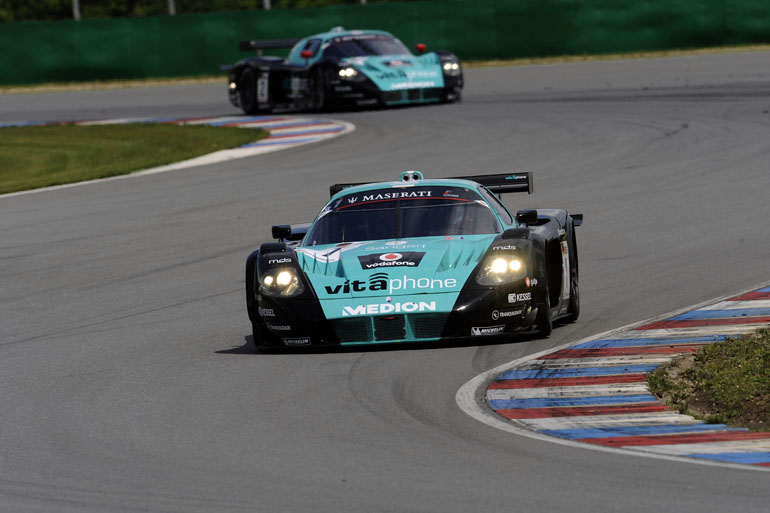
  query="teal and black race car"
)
[
  {"x": 342, "y": 68},
  {"x": 415, "y": 260}
]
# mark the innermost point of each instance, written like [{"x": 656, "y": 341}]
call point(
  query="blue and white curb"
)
[
  {"x": 285, "y": 132},
  {"x": 594, "y": 393}
]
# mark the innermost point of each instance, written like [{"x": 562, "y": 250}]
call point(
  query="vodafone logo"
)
[
  {"x": 405, "y": 259},
  {"x": 396, "y": 242}
]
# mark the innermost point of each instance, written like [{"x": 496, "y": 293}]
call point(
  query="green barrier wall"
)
[{"x": 197, "y": 44}]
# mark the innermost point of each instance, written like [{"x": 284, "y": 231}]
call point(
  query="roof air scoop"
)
[{"x": 411, "y": 176}]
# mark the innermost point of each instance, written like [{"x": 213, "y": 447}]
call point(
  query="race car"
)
[
  {"x": 415, "y": 260},
  {"x": 342, "y": 68}
]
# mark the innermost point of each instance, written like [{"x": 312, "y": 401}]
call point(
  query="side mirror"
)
[
  {"x": 526, "y": 217},
  {"x": 421, "y": 47},
  {"x": 516, "y": 233},
  {"x": 282, "y": 231}
]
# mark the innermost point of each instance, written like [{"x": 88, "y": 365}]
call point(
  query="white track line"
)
[{"x": 471, "y": 399}]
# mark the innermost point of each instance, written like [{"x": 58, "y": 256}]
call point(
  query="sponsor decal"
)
[
  {"x": 381, "y": 281},
  {"x": 266, "y": 312},
  {"x": 391, "y": 257},
  {"x": 530, "y": 282},
  {"x": 516, "y": 177},
  {"x": 406, "y": 259},
  {"x": 509, "y": 247},
  {"x": 500, "y": 314},
  {"x": 383, "y": 308},
  {"x": 487, "y": 330},
  {"x": 397, "y": 195},
  {"x": 450, "y": 194},
  {"x": 279, "y": 327},
  {"x": 524, "y": 296},
  {"x": 413, "y": 85},
  {"x": 396, "y": 242},
  {"x": 279, "y": 261},
  {"x": 389, "y": 246},
  {"x": 303, "y": 341}
]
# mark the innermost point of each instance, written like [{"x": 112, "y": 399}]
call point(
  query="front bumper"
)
[{"x": 485, "y": 312}]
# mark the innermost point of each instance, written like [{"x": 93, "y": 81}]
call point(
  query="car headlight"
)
[
  {"x": 500, "y": 269},
  {"x": 348, "y": 73},
  {"x": 451, "y": 68},
  {"x": 282, "y": 281}
]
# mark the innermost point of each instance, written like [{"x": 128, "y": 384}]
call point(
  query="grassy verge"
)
[
  {"x": 721, "y": 383},
  {"x": 33, "y": 157}
]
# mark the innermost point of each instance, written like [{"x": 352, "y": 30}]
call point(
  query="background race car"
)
[
  {"x": 342, "y": 68},
  {"x": 415, "y": 260}
]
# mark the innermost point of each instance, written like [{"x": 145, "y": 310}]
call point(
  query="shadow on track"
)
[{"x": 248, "y": 346}]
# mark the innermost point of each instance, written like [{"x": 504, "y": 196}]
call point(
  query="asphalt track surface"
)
[{"x": 126, "y": 375}]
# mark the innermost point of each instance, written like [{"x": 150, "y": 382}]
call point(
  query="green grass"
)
[
  {"x": 33, "y": 157},
  {"x": 726, "y": 382}
]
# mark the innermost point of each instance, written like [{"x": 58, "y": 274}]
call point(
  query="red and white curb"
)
[
  {"x": 285, "y": 132},
  {"x": 594, "y": 393}
]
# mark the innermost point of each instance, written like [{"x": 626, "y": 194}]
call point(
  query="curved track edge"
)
[
  {"x": 285, "y": 132},
  {"x": 520, "y": 397}
]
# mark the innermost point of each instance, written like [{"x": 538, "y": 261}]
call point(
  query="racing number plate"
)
[{"x": 262, "y": 95}]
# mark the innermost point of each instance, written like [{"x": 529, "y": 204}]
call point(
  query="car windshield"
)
[
  {"x": 357, "y": 46},
  {"x": 396, "y": 213}
]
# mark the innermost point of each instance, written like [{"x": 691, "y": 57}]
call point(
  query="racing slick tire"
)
[
  {"x": 574, "y": 289},
  {"x": 247, "y": 91},
  {"x": 543, "y": 319},
  {"x": 319, "y": 91},
  {"x": 263, "y": 341}
]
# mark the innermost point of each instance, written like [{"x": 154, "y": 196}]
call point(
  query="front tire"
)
[
  {"x": 543, "y": 319},
  {"x": 263, "y": 340},
  {"x": 319, "y": 91},
  {"x": 574, "y": 289},
  {"x": 247, "y": 91}
]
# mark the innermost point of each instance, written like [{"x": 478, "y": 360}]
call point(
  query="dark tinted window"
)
[
  {"x": 395, "y": 213},
  {"x": 497, "y": 205},
  {"x": 357, "y": 46}
]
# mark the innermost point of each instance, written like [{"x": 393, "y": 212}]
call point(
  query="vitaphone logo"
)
[
  {"x": 383, "y": 308},
  {"x": 381, "y": 281},
  {"x": 404, "y": 259}
]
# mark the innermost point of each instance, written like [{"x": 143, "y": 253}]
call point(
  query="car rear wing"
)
[
  {"x": 503, "y": 182},
  {"x": 266, "y": 44},
  {"x": 498, "y": 183}
]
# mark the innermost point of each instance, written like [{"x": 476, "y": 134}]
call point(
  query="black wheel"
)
[
  {"x": 320, "y": 97},
  {"x": 455, "y": 96},
  {"x": 574, "y": 289},
  {"x": 247, "y": 89},
  {"x": 543, "y": 321},
  {"x": 264, "y": 341}
]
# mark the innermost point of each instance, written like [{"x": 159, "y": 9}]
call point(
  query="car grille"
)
[
  {"x": 411, "y": 96},
  {"x": 392, "y": 327},
  {"x": 427, "y": 325},
  {"x": 389, "y": 328},
  {"x": 353, "y": 330}
]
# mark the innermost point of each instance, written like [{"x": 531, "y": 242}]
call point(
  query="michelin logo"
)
[
  {"x": 384, "y": 308},
  {"x": 487, "y": 330}
]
